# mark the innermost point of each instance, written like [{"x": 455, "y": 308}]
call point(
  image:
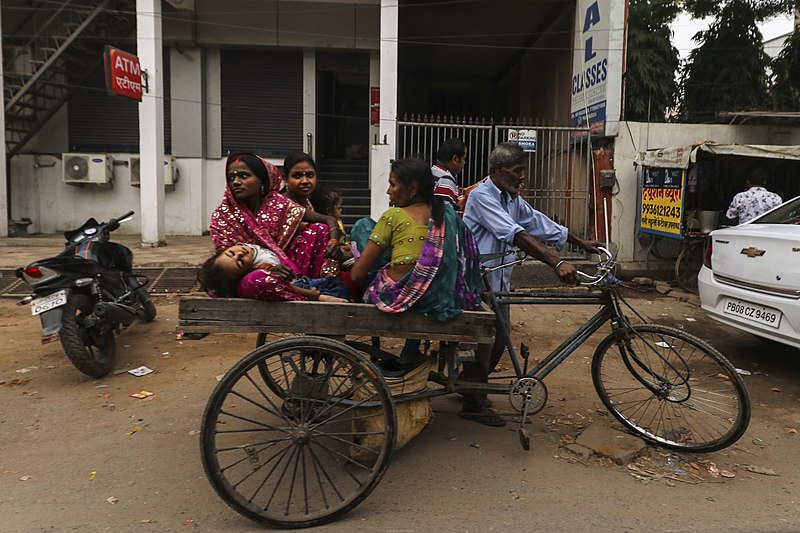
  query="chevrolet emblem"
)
[{"x": 752, "y": 252}]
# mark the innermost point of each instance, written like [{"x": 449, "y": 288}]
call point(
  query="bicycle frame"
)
[{"x": 610, "y": 311}]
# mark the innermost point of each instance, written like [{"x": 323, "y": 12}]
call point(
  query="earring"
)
[{"x": 262, "y": 190}]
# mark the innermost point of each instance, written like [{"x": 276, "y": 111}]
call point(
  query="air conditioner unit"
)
[
  {"x": 171, "y": 172},
  {"x": 82, "y": 169}
]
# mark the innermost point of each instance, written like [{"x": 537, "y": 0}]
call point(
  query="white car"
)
[{"x": 751, "y": 275}]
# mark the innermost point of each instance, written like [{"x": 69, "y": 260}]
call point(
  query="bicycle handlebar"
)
[{"x": 604, "y": 267}]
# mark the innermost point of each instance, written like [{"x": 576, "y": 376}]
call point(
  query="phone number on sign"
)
[{"x": 762, "y": 315}]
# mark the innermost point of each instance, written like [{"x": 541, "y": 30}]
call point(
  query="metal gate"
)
[{"x": 559, "y": 171}]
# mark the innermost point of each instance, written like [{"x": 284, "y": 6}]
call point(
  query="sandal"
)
[{"x": 487, "y": 417}]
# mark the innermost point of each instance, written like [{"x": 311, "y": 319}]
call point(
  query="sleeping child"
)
[{"x": 244, "y": 269}]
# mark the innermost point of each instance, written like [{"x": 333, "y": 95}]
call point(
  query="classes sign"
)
[
  {"x": 123, "y": 73},
  {"x": 597, "y": 59},
  {"x": 662, "y": 201}
]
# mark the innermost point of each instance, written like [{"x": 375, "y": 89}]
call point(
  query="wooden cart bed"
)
[{"x": 200, "y": 314}]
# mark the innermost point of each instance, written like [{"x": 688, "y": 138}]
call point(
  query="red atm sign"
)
[{"x": 123, "y": 73}]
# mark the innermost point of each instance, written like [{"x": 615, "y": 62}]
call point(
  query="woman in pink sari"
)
[{"x": 252, "y": 211}]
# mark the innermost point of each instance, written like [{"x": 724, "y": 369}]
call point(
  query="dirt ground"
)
[{"x": 69, "y": 445}]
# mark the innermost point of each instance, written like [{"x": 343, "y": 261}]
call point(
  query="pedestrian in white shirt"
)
[{"x": 754, "y": 201}]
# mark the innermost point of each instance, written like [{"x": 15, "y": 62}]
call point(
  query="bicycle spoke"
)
[
  {"x": 288, "y": 435},
  {"x": 671, "y": 388}
]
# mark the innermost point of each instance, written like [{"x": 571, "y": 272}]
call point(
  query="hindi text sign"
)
[
  {"x": 662, "y": 202},
  {"x": 123, "y": 73}
]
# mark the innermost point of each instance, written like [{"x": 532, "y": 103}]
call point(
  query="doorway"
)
[{"x": 342, "y": 106}]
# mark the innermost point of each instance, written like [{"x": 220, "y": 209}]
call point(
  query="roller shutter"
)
[
  {"x": 262, "y": 101},
  {"x": 99, "y": 122}
]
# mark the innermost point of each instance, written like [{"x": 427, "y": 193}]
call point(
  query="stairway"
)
[
  {"x": 351, "y": 178},
  {"x": 50, "y": 53}
]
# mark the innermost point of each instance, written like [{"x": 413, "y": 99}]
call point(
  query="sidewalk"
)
[
  {"x": 180, "y": 251},
  {"x": 192, "y": 250}
]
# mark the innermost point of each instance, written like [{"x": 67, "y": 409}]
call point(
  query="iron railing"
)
[{"x": 559, "y": 170}]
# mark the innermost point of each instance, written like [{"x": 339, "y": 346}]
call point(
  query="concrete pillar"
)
[
  {"x": 379, "y": 168},
  {"x": 4, "y": 177},
  {"x": 151, "y": 122},
  {"x": 213, "y": 92},
  {"x": 310, "y": 102},
  {"x": 186, "y": 83},
  {"x": 388, "y": 70}
]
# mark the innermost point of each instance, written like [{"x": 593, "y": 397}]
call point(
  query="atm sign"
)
[{"x": 123, "y": 73}]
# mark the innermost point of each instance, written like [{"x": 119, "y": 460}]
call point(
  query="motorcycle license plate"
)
[{"x": 46, "y": 303}]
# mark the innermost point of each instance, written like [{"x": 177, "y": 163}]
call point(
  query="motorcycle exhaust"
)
[{"x": 112, "y": 312}]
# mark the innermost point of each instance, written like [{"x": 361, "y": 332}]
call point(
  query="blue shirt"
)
[{"x": 495, "y": 219}]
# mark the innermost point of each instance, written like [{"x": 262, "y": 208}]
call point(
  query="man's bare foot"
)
[{"x": 329, "y": 298}]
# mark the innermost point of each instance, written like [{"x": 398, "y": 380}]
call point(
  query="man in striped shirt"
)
[{"x": 450, "y": 161}]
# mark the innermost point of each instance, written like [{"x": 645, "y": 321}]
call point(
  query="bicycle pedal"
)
[{"x": 524, "y": 438}]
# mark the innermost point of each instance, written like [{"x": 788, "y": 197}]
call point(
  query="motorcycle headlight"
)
[{"x": 36, "y": 275}]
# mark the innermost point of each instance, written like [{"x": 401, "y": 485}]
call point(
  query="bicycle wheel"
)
[
  {"x": 308, "y": 457},
  {"x": 671, "y": 389}
]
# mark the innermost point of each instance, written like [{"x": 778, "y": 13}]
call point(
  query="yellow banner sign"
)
[{"x": 662, "y": 201}]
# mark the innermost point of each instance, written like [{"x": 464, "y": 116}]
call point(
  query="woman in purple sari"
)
[{"x": 252, "y": 211}]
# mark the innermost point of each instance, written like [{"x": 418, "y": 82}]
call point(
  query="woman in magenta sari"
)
[{"x": 252, "y": 211}]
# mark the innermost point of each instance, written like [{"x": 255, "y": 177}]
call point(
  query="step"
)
[
  {"x": 327, "y": 166},
  {"x": 361, "y": 173},
  {"x": 344, "y": 184},
  {"x": 354, "y": 193},
  {"x": 350, "y": 218},
  {"x": 356, "y": 201}
]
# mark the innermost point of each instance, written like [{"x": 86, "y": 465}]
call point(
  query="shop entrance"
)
[{"x": 685, "y": 193}]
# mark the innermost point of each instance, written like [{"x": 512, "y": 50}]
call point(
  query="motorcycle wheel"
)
[
  {"x": 149, "y": 310},
  {"x": 91, "y": 350},
  {"x": 148, "y": 306}
]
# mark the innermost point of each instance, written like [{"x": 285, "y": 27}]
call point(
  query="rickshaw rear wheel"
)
[{"x": 307, "y": 455}]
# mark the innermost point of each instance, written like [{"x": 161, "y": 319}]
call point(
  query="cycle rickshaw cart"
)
[
  {"x": 302, "y": 429},
  {"x": 685, "y": 191}
]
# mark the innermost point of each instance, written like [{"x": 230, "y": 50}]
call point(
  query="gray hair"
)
[{"x": 506, "y": 155}]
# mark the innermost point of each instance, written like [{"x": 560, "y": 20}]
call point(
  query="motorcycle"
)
[{"x": 87, "y": 293}]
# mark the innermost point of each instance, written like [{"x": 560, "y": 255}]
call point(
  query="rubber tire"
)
[
  {"x": 72, "y": 336},
  {"x": 229, "y": 402},
  {"x": 149, "y": 311},
  {"x": 608, "y": 348},
  {"x": 261, "y": 340}
]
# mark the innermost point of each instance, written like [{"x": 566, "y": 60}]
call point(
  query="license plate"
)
[
  {"x": 754, "y": 313},
  {"x": 46, "y": 303}
]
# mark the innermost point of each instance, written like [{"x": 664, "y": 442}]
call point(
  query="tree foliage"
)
[
  {"x": 762, "y": 9},
  {"x": 786, "y": 69},
  {"x": 652, "y": 60},
  {"x": 727, "y": 72}
]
